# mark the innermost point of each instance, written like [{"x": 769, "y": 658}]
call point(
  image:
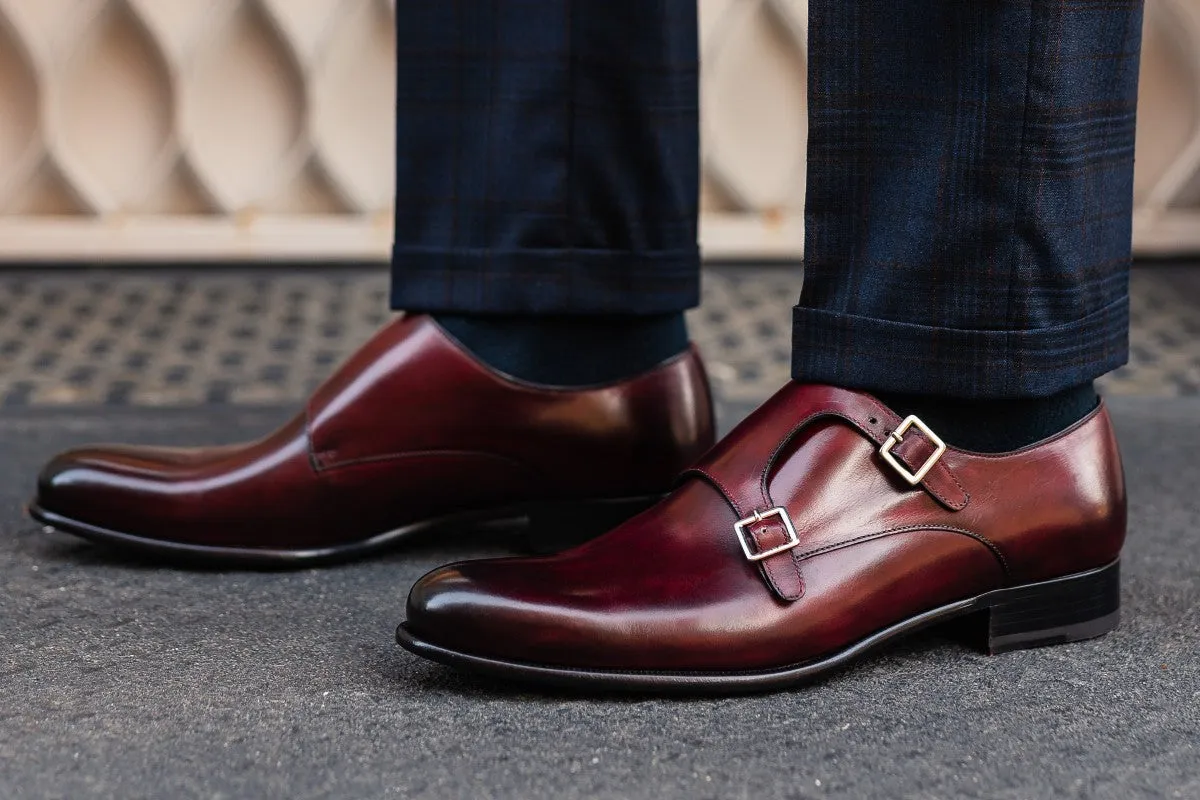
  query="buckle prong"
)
[
  {"x": 897, "y": 436},
  {"x": 739, "y": 528}
]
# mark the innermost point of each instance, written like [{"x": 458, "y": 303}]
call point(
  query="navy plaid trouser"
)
[
  {"x": 969, "y": 182},
  {"x": 547, "y": 156}
]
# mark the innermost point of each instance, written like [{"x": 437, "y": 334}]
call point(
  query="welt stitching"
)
[
  {"x": 365, "y": 460},
  {"x": 911, "y": 529},
  {"x": 950, "y": 503},
  {"x": 765, "y": 570},
  {"x": 716, "y": 482},
  {"x": 961, "y": 488},
  {"x": 792, "y": 435},
  {"x": 766, "y": 492},
  {"x": 766, "y": 573}
]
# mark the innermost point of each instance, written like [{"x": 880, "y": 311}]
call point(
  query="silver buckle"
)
[
  {"x": 740, "y": 529},
  {"x": 897, "y": 436}
]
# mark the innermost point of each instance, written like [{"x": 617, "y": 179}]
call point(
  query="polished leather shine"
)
[
  {"x": 671, "y": 591},
  {"x": 411, "y": 429}
]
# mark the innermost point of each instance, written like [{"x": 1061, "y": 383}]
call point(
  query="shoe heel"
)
[
  {"x": 554, "y": 527},
  {"x": 1068, "y": 609}
]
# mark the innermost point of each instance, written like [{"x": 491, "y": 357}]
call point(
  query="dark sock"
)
[
  {"x": 996, "y": 426},
  {"x": 569, "y": 351}
]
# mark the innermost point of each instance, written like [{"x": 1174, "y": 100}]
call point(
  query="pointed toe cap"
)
[
  {"x": 446, "y": 606},
  {"x": 487, "y": 608},
  {"x": 108, "y": 486},
  {"x": 67, "y": 480}
]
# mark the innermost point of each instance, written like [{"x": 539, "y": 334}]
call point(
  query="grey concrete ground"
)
[{"x": 124, "y": 680}]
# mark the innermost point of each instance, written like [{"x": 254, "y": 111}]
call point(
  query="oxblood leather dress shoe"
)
[
  {"x": 411, "y": 433},
  {"x": 821, "y": 527}
]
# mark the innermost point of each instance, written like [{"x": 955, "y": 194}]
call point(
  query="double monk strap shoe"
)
[{"x": 822, "y": 527}]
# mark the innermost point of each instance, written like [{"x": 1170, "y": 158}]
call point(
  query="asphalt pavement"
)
[{"x": 129, "y": 680}]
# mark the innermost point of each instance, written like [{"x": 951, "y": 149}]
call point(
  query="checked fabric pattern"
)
[
  {"x": 969, "y": 194},
  {"x": 970, "y": 178},
  {"x": 547, "y": 156}
]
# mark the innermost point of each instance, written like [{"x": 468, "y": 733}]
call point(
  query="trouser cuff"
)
[
  {"x": 550, "y": 282},
  {"x": 878, "y": 355}
]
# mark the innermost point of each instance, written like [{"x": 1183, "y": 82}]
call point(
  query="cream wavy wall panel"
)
[{"x": 262, "y": 129}]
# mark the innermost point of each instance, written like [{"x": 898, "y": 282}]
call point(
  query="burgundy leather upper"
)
[
  {"x": 672, "y": 589},
  {"x": 411, "y": 428}
]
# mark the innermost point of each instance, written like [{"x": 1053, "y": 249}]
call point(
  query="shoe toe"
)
[
  {"x": 106, "y": 485},
  {"x": 68, "y": 478},
  {"x": 488, "y": 608},
  {"x": 448, "y": 607}
]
